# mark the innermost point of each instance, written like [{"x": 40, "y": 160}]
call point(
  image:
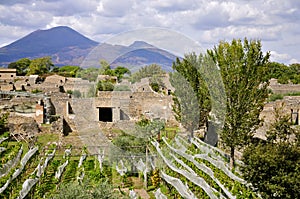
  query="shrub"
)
[
  {"x": 122, "y": 88},
  {"x": 105, "y": 86},
  {"x": 36, "y": 91},
  {"x": 275, "y": 97}
]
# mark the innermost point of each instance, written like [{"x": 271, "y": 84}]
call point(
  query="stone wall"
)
[
  {"x": 289, "y": 104},
  {"x": 283, "y": 88},
  {"x": 135, "y": 104},
  {"x": 22, "y": 127}
]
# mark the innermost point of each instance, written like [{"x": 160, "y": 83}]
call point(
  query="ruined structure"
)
[
  {"x": 283, "y": 88},
  {"x": 8, "y": 74}
]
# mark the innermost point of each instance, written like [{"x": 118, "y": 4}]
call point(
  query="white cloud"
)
[
  {"x": 114, "y": 8},
  {"x": 276, "y": 23}
]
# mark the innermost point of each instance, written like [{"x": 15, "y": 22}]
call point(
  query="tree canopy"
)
[
  {"x": 154, "y": 72},
  {"x": 68, "y": 71},
  {"x": 40, "y": 66},
  {"x": 21, "y": 65},
  {"x": 191, "y": 94},
  {"x": 273, "y": 166},
  {"x": 243, "y": 67}
]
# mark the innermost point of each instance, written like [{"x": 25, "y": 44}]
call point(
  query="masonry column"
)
[
  {"x": 39, "y": 112},
  {"x": 116, "y": 114}
]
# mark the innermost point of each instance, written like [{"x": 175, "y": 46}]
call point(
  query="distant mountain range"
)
[{"x": 68, "y": 47}]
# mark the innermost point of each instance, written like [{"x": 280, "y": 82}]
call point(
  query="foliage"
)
[
  {"x": 154, "y": 86},
  {"x": 155, "y": 178},
  {"x": 105, "y": 85},
  {"x": 86, "y": 190},
  {"x": 192, "y": 102},
  {"x": 154, "y": 72},
  {"x": 186, "y": 106},
  {"x": 146, "y": 128},
  {"x": 243, "y": 67},
  {"x": 68, "y": 71},
  {"x": 120, "y": 71},
  {"x": 273, "y": 166},
  {"x": 91, "y": 92},
  {"x": 40, "y": 66},
  {"x": 283, "y": 73},
  {"x": 36, "y": 91},
  {"x": 274, "y": 97},
  {"x": 90, "y": 74},
  {"x": 3, "y": 122},
  {"x": 122, "y": 88},
  {"x": 21, "y": 65},
  {"x": 130, "y": 143}
]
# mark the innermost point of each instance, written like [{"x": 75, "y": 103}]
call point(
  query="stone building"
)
[{"x": 8, "y": 74}]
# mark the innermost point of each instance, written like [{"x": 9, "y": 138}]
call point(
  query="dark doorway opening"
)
[{"x": 105, "y": 114}]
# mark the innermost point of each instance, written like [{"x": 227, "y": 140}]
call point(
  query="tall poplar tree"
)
[
  {"x": 243, "y": 69},
  {"x": 192, "y": 94}
]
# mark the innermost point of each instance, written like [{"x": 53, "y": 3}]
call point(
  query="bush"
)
[
  {"x": 105, "y": 86},
  {"x": 87, "y": 190},
  {"x": 155, "y": 86},
  {"x": 122, "y": 88},
  {"x": 36, "y": 91},
  {"x": 275, "y": 97}
]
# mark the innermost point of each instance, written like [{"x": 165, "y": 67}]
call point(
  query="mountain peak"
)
[
  {"x": 140, "y": 44},
  {"x": 49, "y": 42}
]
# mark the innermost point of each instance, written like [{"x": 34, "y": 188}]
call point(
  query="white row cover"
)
[
  {"x": 200, "y": 166},
  {"x": 159, "y": 195},
  {"x": 190, "y": 176},
  {"x": 18, "y": 171},
  {"x": 3, "y": 139},
  {"x": 39, "y": 170},
  {"x": 182, "y": 189},
  {"x": 6, "y": 168},
  {"x": 60, "y": 169}
]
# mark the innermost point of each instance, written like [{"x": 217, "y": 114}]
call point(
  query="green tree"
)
[
  {"x": 21, "y": 65},
  {"x": 192, "y": 105},
  {"x": 186, "y": 107},
  {"x": 90, "y": 74},
  {"x": 40, "y": 66},
  {"x": 243, "y": 67},
  {"x": 68, "y": 71},
  {"x": 150, "y": 71},
  {"x": 294, "y": 73},
  {"x": 120, "y": 71},
  {"x": 105, "y": 68},
  {"x": 105, "y": 86},
  {"x": 273, "y": 166},
  {"x": 154, "y": 72}
]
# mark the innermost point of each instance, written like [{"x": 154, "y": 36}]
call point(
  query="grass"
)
[
  {"x": 276, "y": 96},
  {"x": 44, "y": 138},
  {"x": 170, "y": 132}
]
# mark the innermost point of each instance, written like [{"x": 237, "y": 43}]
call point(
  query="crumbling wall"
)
[
  {"x": 22, "y": 127},
  {"x": 283, "y": 88}
]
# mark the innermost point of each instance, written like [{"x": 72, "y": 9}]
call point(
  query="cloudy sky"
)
[{"x": 276, "y": 23}]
